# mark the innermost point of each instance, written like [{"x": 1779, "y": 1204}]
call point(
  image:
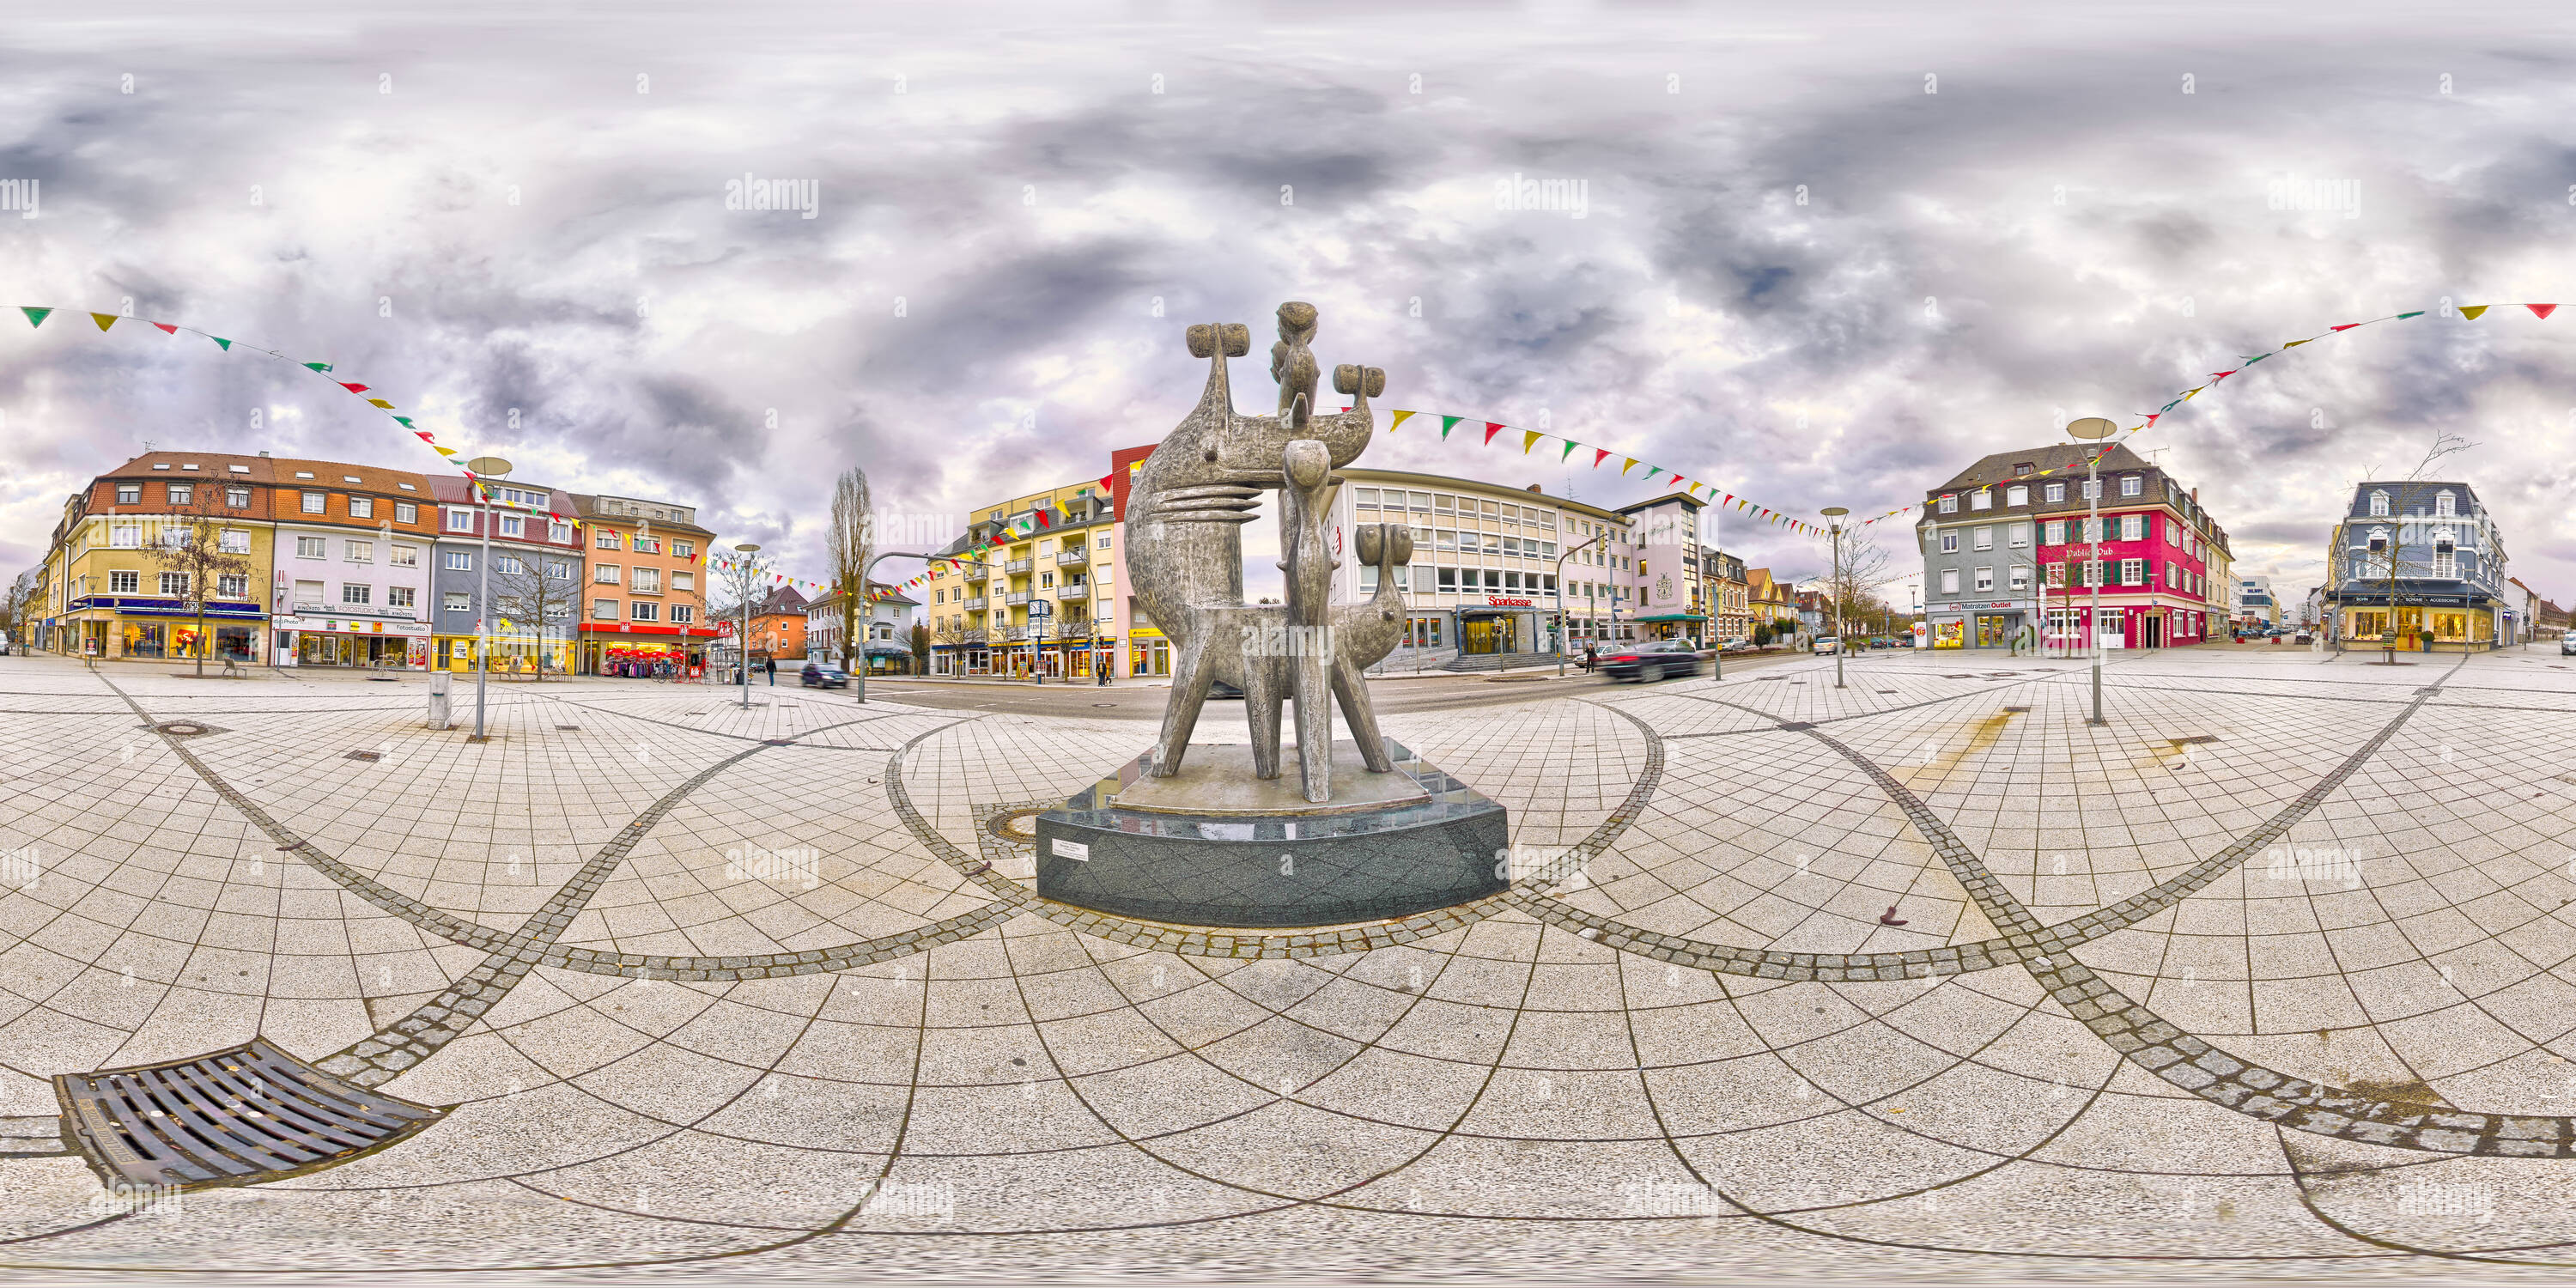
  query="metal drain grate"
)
[
  {"x": 369, "y": 756},
  {"x": 566, "y": 728},
  {"x": 244, "y": 1116},
  {"x": 2016, "y": 708}
]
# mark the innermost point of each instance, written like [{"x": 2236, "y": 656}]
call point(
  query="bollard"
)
[{"x": 438, "y": 717}]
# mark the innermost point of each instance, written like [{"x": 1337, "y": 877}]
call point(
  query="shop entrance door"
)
[
  {"x": 1478, "y": 635},
  {"x": 2155, "y": 629}
]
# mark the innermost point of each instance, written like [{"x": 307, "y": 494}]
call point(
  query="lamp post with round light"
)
[
  {"x": 743, "y": 574},
  {"x": 484, "y": 467},
  {"x": 2094, "y": 429},
  {"x": 1835, "y": 587}
]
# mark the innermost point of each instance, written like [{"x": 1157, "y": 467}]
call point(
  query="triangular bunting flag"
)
[
  {"x": 317, "y": 366},
  {"x": 2350, "y": 325},
  {"x": 1563, "y": 456},
  {"x": 2217, "y": 376},
  {"x": 1599, "y": 455},
  {"x": 221, "y": 343},
  {"x": 1396, "y": 420},
  {"x": 2295, "y": 343},
  {"x": 167, "y": 328},
  {"x": 355, "y": 389},
  {"x": 1492, "y": 427},
  {"x": 2403, "y": 316},
  {"x": 35, "y": 317},
  {"x": 104, "y": 320},
  {"x": 2541, "y": 310},
  {"x": 1529, "y": 439},
  {"x": 1632, "y": 464},
  {"x": 381, "y": 403},
  {"x": 1448, "y": 423},
  {"x": 2472, "y": 311}
]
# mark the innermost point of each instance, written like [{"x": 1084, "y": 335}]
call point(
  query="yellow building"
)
[
  {"x": 1767, "y": 601},
  {"x": 1030, "y": 588},
  {"x": 105, "y": 595}
]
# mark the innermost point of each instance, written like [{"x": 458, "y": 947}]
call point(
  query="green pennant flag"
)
[
  {"x": 1448, "y": 423},
  {"x": 319, "y": 366},
  {"x": 35, "y": 317},
  {"x": 404, "y": 421},
  {"x": 2403, "y": 316},
  {"x": 1652, "y": 471},
  {"x": 1570, "y": 445},
  {"x": 222, "y": 343}
]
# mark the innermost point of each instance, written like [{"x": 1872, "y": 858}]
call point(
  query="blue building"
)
[{"x": 2412, "y": 560}]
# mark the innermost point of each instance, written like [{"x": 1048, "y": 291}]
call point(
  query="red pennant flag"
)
[
  {"x": 2347, "y": 326},
  {"x": 1491, "y": 428},
  {"x": 1600, "y": 456},
  {"x": 355, "y": 389},
  {"x": 1042, "y": 520},
  {"x": 1106, "y": 480},
  {"x": 2152, "y": 419},
  {"x": 169, "y": 329},
  {"x": 2217, "y": 376},
  {"x": 2541, "y": 310}
]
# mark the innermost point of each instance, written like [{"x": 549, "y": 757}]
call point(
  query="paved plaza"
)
[{"x": 2268, "y": 975}]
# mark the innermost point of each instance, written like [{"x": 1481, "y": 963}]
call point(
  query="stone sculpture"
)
[{"x": 1185, "y": 514}]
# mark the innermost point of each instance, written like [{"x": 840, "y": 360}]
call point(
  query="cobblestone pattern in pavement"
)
[{"x": 1010, "y": 1089}]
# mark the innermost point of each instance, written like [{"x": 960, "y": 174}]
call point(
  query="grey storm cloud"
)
[{"x": 1798, "y": 275}]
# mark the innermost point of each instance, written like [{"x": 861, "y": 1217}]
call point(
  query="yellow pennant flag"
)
[
  {"x": 1398, "y": 420},
  {"x": 1529, "y": 439},
  {"x": 381, "y": 403},
  {"x": 1632, "y": 464},
  {"x": 2469, "y": 311},
  {"x": 2186, "y": 396},
  {"x": 2296, "y": 343},
  {"x": 446, "y": 451},
  {"x": 104, "y": 320}
]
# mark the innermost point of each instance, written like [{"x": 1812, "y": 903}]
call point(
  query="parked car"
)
[
  {"x": 1651, "y": 660},
  {"x": 818, "y": 676},
  {"x": 2303, "y": 637},
  {"x": 2567, "y": 645},
  {"x": 1827, "y": 644}
]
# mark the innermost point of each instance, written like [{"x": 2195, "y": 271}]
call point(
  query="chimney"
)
[
  {"x": 2195, "y": 496},
  {"x": 263, "y": 453}
]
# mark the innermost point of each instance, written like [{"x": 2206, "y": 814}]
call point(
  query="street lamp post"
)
[
  {"x": 742, "y": 580},
  {"x": 2094, "y": 429},
  {"x": 1835, "y": 588},
  {"x": 484, "y": 467},
  {"x": 1561, "y": 623}
]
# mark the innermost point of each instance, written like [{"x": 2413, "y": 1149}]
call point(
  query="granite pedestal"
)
[{"x": 1214, "y": 846}]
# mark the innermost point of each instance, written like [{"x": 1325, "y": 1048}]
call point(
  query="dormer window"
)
[
  {"x": 2378, "y": 504},
  {"x": 2443, "y": 503}
]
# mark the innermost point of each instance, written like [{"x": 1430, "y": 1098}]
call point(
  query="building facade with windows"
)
[
  {"x": 351, "y": 574},
  {"x": 102, "y": 593},
  {"x": 2007, "y": 558},
  {"x": 537, "y": 585},
  {"x": 1034, "y": 588},
  {"x": 887, "y": 647},
  {"x": 2412, "y": 560},
  {"x": 644, "y": 596},
  {"x": 778, "y": 626},
  {"x": 1485, "y": 577},
  {"x": 2255, "y": 604}
]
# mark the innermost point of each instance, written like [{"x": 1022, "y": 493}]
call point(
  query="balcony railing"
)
[
  {"x": 975, "y": 602},
  {"x": 1073, "y": 592},
  {"x": 1063, "y": 557},
  {"x": 1016, "y": 597},
  {"x": 1019, "y": 565},
  {"x": 976, "y": 572}
]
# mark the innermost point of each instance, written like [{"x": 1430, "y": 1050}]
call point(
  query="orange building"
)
[
  {"x": 645, "y": 606},
  {"x": 778, "y": 626}
]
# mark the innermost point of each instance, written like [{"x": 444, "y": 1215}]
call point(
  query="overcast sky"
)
[{"x": 2006, "y": 220}]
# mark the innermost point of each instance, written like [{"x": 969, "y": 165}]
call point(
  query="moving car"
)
[
  {"x": 2303, "y": 637},
  {"x": 1651, "y": 660},
  {"x": 2567, "y": 645},
  {"x": 1828, "y": 644},
  {"x": 819, "y": 676}
]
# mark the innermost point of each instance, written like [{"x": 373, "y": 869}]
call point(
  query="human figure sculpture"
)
[{"x": 1185, "y": 554}]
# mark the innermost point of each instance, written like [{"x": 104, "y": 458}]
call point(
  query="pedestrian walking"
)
[
  {"x": 1591, "y": 657},
  {"x": 773, "y": 672}
]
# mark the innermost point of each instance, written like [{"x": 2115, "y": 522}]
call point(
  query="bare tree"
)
[
  {"x": 919, "y": 639},
  {"x": 534, "y": 590},
  {"x": 191, "y": 546},
  {"x": 848, "y": 546},
  {"x": 1852, "y": 594}
]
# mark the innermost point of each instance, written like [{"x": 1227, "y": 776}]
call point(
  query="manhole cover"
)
[
  {"x": 184, "y": 729},
  {"x": 1794, "y": 726},
  {"x": 369, "y": 756},
  {"x": 1014, "y": 825},
  {"x": 245, "y": 1116}
]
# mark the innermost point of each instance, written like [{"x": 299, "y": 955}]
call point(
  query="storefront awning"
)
[{"x": 1673, "y": 617}]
